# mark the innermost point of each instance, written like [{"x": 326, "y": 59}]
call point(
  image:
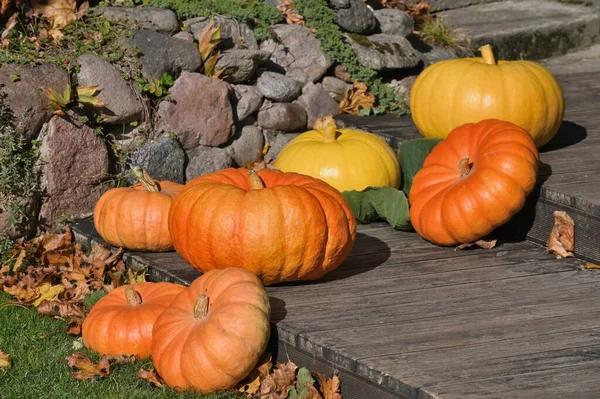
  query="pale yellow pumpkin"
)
[
  {"x": 451, "y": 93},
  {"x": 345, "y": 159}
]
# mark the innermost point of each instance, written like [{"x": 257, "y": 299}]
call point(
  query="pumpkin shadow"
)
[{"x": 568, "y": 134}]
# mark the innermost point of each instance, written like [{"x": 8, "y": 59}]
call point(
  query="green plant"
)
[
  {"x": 438, "y": 33},
  {"x": 18, "y": 174},
  {"x": 255, "y": 11},
  {"x": 207, "y": 44},
  {"x": 320, "y": 17},
  {"x": 156, "y": 87}
]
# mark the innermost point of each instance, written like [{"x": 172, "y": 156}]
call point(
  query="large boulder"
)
[
  {"x": 249, "y": 100},
  {"x": 239, "y": 66},
  {"x": 203, "y": 160},
  {"x": 354, "y": 16},
  {"x": 278, "y": 87},
  {"x": 158, "y": 19},
  {"x": 163, "y": 159},
  {"x": 199, "y": 111},
  {"x": 247, "y": 145},
  {"x": 234, "y": 34},
  {"x": 160, "y": 53},
  {"x": 21, "y": 85},
  {"x": 295, "y": 50},
  {"x": 317, "y": 102},
  {"x": 285, "y": 117},
  {"x": 74, "y": 169},
  {"x": 121, "y": 102},
  {"x": 394, "y": 22}
]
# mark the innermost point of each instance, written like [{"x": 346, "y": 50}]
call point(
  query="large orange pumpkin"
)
[
  {"x": 121, "y": 322},
  {"x": 213, "y": 334},
  {"x": 451, "y": 93},
  {"x": 473, "y": 182},
  {"x": 136, "y": 217},
  {"x": 280, "y": 226}
]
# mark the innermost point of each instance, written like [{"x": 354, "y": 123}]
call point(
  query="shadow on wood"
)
[{"x": 568, "y": 134}]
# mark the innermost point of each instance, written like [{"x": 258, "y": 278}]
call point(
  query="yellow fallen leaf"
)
[
  {"x": 5, "y": 360},
  {"x": 590, "y": 265},
  {"x": 48, "y": 293},
  {"x": 19, "y": 260},
  {"x": 562, "y": 237}
]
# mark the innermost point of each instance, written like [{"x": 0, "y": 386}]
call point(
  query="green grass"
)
[{"x": 40, "y": 370}]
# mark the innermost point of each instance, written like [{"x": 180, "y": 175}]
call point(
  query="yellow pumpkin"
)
[
  {"x": 345, "y": 159},
  {"x": 452, "y": 93}
]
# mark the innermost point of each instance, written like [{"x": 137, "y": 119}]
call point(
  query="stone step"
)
[
  {"x": 441, "y": 5},
  {"x": 528, "y": 29},
  {"x": 582, "y": 61}
]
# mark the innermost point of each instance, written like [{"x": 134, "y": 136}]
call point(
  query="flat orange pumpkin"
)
[
  {"x": 280, "y": 226},
  {"x": 473, "y": 182}
]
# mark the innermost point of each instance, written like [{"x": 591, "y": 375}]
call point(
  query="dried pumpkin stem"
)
[
  {"x": 464, "y": 166},
  {"x": 133, "y": 297},
  {"x": 329, "y": 132},
  {"x": 145, "y": 179},
  {"x": 487, "y": 54},
  {"x": 201, "y": 307},
  {"x": 255, "y": 180}
]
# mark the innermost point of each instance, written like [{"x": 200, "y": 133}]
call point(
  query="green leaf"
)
[
  {"x": 14, "y": 77},
  {"x": 303, "y": 379},
  {"x": 412, "y": 154},
  {"x": 90, "y": 299},
  {"x": 375, "y": 203}
]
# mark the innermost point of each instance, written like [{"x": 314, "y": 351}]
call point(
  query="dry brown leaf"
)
[
  {"x": 19, "y": 261},
  {"x": 562, "y": 237},
  {"x": 485, "y": 244},
  {"x": 48, "y": 292},
  {"x": 590, "y": 265},
  {"x": 251, "y": 384},
  {"x": 278, "y": 383},
  {"x": 292, "y": 16},
  {"x": 341, "y": 72},
  {"x": 85, "y": 369},
  {"x": 329, "y": 387},
  {"x": 152, "y": 377},
  {"x": 5, "y": 360},
  {"x": 120, "y": 359},
  {"x": 356, "y": 98},
  {"x": 58, "y": 13}
]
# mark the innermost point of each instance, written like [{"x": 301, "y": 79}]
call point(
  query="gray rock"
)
[
  {"x": 297, "y": 51},
  {"x": 247, "y": 146},
  {"x": 354, "y": 16},
  {"x": 183, "y": 35},
  {"x": 335, "y": 87},
  {"x": 286, "y": 117},
  {"x": 25, "y": 98},
  {"x": 394, "y": 22},
  {"x": 381, "y": 52},
  {"x": 317, "y": 102},
  {"x": 437, "y": 54},
  {"x": 234, "y": 34},
  {"x": 157, "y": 19},
  {"x": 162, "y": 158},
  {"x": 278, "y": 87},
  {"x": 277, "y": 141},
  {"x": 160, "y": 53},
  {"x": 74, "y": 170},
  {"x": 199, "y": 112},
  {"x": 248, "y": 101},
  {"x": 121, "y": 103},
  {"x": 203, "y": 160},
  {"x": 239, "y": 66},
  {"x": 403, "y": 87},
  {"x": 439, "y": 5}
]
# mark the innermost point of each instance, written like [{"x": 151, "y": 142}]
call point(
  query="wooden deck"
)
[{"x": 402, "y": 318}]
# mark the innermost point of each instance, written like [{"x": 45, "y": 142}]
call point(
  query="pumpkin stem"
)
[
  {"x": 255, "y": 180},
  {"x": 329, "y": 127},
  {"x": 133, "y": 297},
  {"x": 487, "y": 54},
  {"x": 145, "y": 179},
  {"x": 201, "y": 307},
  {"x": 464, "y": 166}
]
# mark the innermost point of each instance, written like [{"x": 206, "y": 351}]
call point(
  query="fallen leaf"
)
[
  {"x": 151, "y": 376},
  {"x": 120, "y": 359},
  {"x": 590, "y": 265},
  {"x": 304, "y": 388},
  {"x": 485, "y": 244},
  {"x": 19, "y": 261},
  {"x": 85, "y": 369},
  {"x": 329, "y": 387},
  {"x": 251, "y": 384},
  {"x": 356, "y": 98},
  {"x": 279, "y": 382},
  {"x": 292, "y": 16},
  {"x": 562, "y": 237},
  {"x": 5, "y": 360},
  {"x": 58, "y": 13},
  {"x": 48, "y": 292},
  {"x": 77, "y": 343}
]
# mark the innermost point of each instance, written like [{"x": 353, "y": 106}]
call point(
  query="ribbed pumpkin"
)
[
  {"x": 214, "y": 333},
  {"x": 121, "y": 322},
  {"x": 136, "y": 217},
  {"x": 473, "y": 182},
  {"x": 280, "y": 226},
  {"x": 344, "y": 158},
  {"x": 451, "y": 93}
]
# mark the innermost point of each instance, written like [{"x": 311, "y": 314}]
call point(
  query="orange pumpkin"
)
[
  {"x": 121, "y": 322},
  {"x": 136, "y": 217},
  {"x": 280, "y": 226},
  {"x": 473, "y": 182},
  {"x": 213, "y": 333}
]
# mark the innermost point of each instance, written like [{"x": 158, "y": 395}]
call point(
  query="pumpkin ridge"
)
[{"x": 380, "y": 155}]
